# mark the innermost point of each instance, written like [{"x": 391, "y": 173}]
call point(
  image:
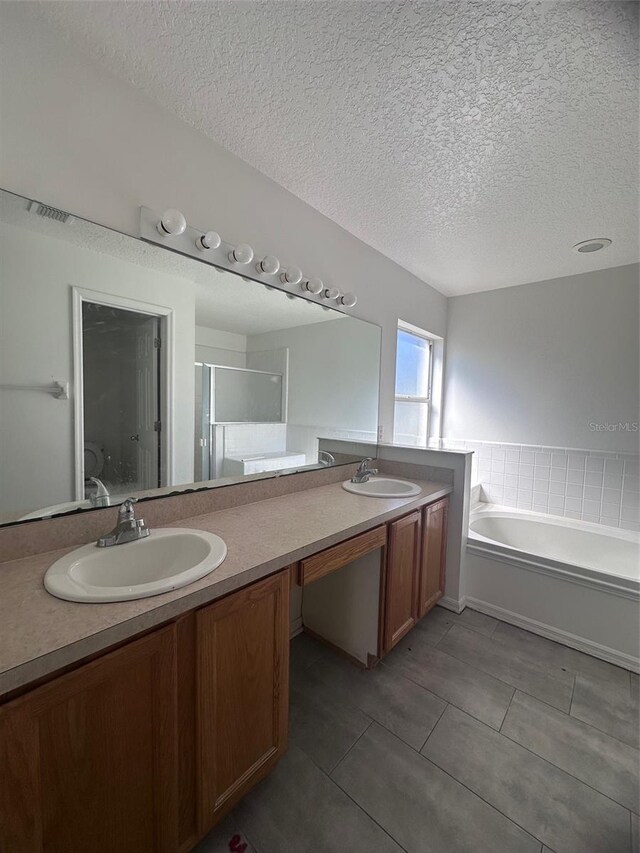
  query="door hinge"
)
[
  {"x": 157, "y": 342},
  {"x": 157, "y": 426}
]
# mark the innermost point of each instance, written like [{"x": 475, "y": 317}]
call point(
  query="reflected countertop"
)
[{"x": 40, "y": 634}]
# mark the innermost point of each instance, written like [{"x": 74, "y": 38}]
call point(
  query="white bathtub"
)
[{"x": 575, "y": 582}]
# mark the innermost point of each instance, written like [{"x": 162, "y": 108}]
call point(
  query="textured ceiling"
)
[{"x": 472, "y": 142}]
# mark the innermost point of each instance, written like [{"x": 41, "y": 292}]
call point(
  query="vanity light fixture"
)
[
  {"x": 269, "y": 265},
  {"x": 242, "y": 254},
  {"x": 210, "y": 240},
  {"x": 228, "y": 257},
  {"x": 292, "y": 275},
  {"x": 348, "y": 300},
  {"x": 314, "y": 285},
  {"x": 172, "y": 223}
]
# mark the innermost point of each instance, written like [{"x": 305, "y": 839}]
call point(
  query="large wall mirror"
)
[{"x": 127, "y": 369}]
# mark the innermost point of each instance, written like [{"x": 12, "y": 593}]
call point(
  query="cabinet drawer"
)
[{"x": 319, "y": 565}]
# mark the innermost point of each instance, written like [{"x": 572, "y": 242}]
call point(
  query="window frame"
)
[{"x": 410, "y": 398}]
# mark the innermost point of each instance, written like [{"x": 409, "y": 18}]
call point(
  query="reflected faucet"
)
[
  {"x": 364, "y": 472},
  {"x": 128, "y": 529},
  {"x": 326, "y": 458},
  {"x": 101, "y": 497}
]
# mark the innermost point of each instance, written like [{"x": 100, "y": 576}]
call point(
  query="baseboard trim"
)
[
  {"x": 457, "y": 605},
  {"x": 565, "y": 638}
]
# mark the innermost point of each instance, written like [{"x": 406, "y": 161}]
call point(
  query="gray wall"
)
[
  {"x": 36, "y": 335},
  {"x": 333, "y": 373},
  {"x": 538, "y": 363},
  {"x": 80, "y": 139}
]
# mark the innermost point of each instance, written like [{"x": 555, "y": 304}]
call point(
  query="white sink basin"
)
[
  {"x": 383, "y": 487},
  {"x": 167, "y": 559}
]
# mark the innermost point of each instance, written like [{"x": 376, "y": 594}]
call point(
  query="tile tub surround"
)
[
  {"x": 40, "y": 634},
  {"x": 429, "y": 772},
  {"x": 592, "y": 485}
]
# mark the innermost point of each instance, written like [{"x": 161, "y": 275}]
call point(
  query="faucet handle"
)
[{"x": 126, "y": 507}]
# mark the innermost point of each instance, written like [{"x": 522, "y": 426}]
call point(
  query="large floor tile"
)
[
  {"x": 298, "y": 809},
  {"x": 541, "y": 651},
  {"x": 635, "y": 686},
  {"x": 476, "y": 621},
  {"x": 400, "y": 705},
  {"x": 611, "y": 710},
  {"x": 551, "y": 685},
  {"x": 438, "y": 621},
  {"x": 435, "y": 624},
  {"x": 452, "y": 680},
  {"x": 305, "y": 651},
  {"x": 424, "y": 809},
  {"x": 635, "y": 833},
  {"x": 603, "y": 762},
  {"x": 561, "y": 811},
  {"x": 322, "y": 722}
]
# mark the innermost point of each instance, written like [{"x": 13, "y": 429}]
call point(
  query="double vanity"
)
[{"x": 137, "y": 723}]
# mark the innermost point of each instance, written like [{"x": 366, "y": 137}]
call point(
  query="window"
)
[{"x": 413, "y": 388}]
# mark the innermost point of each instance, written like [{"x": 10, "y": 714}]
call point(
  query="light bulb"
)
[
  {"x": 242, "y": 254},
  {"x": 314, "y": 285},
  {"x": 210, "y": 240},
  {"x": 268, "y": 265},
  {"x": 348, "y": 300},
  {"x": 292, "y": 275},
  {"x": 331, "y": 293},
  {"x": 172, "y": 223}
]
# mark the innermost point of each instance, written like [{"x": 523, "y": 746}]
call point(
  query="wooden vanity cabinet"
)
[
  {"x": 88, "y": 761},
  {"x": 416, "y": 560},
  {"x": 148, "y": 746},
  {"x": 403, "y": 569},
  {"x": 434, "y": 552},
  {"x": 242, "y": 693}
]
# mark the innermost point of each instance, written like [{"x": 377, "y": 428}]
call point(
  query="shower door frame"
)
[{"x": 167, "y": 374}]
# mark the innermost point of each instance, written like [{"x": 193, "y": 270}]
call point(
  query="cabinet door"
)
[
  {"x": 242, "y": 653},
  {"x": 434, "y": 548},
  {"x": 88, "y": 761},
  {"x": 403, "y": 564}
]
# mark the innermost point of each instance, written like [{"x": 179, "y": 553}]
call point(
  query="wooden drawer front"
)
[
  {"x": 242, "y": 675},
  {"x": 433, "y": 562},
  {"x": 328, "y": 561},
  {"x": 89, "y": 761},
  {"x": 403, "y": 565}
]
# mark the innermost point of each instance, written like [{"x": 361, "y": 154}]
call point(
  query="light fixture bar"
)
[{"x": 171, "y": 231}]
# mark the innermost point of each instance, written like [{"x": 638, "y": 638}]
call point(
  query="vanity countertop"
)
[{"x": 40, "y": 634}]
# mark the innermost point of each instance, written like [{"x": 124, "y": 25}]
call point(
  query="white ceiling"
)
[{"x": 472, "y": 142}]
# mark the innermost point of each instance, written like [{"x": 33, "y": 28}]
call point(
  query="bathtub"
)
[{"x": 574, "y": 582}]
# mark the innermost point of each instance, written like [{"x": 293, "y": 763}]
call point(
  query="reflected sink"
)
[
  {"x": 383, "y": 487},
  {"x": 169, "y": 558}
]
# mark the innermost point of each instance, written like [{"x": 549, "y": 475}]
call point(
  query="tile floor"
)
[{"x": 471, "y": 737}]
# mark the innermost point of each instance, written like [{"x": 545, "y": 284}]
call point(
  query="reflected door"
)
[{"x": 121, "y": 398}]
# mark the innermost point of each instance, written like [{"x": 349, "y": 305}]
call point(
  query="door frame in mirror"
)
[{"x": 81, "y": 295}]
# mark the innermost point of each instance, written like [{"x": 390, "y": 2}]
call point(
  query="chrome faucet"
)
[
  {"x": 326, "y": 458},
  {"x": 128, "y": 529},
  {"x": 364, "y": 472},
  {"x": 101, "y": 497}
]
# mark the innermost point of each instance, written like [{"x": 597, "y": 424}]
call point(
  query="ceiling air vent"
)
[{"x": 50, "y": 212}]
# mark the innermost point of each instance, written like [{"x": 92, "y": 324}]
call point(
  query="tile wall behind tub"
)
[{"x": 591, "y": 485}]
